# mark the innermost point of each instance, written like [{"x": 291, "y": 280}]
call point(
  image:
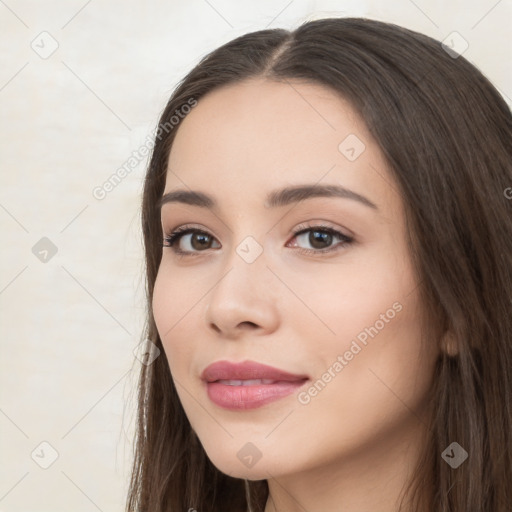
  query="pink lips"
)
[{"x": 249, "y": 384}]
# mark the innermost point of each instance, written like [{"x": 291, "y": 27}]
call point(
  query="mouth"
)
[
  {"x": 250, "y": 382},
  {"x": 248, "y": 385}
]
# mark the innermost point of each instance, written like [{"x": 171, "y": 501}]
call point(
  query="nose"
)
[{"x": 244, "y": 299}]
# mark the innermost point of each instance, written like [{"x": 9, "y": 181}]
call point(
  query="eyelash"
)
[{"x": 172, "y": 238}]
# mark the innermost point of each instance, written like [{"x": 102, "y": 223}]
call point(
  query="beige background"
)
[{"x": 70, "y": 320}]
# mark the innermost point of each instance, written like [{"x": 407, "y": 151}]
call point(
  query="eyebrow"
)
[{"x": 274, "y": 199}]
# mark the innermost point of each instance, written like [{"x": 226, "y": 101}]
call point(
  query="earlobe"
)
[{"x": 449, "y": 345}]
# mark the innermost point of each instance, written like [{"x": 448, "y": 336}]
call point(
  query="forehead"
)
[
  {"x": 259, "y": 116},
  {"x": 258, "y": 134}
]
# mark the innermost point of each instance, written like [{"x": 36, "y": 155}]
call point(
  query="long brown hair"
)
[{"x": 446, "y": 135}]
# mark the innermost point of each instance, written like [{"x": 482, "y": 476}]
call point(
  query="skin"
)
[{"x": 353, "y": 445}]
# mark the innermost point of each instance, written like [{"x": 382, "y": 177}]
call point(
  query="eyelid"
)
[
  {"x": 322, "y": 224},
  {"x": 303, "y": 226}
]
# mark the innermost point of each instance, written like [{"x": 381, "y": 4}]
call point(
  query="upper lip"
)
[{"x": 247, "y": 370}]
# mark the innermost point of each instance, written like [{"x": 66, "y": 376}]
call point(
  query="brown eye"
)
[
  {"x": 198, "y": 241},
  {"x": 320, "y": 239}
]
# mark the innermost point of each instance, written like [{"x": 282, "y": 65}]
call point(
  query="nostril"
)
[
  {"x": 249, "y": 325},
  {"x": 215, "y": 327}
]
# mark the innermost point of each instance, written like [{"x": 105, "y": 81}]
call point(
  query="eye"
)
[
  {"x": 320, "y": 238},
  {"x": 195, "y": 240}
]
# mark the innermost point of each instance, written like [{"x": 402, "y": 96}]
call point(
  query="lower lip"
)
[{"x": 249, "y": 397}]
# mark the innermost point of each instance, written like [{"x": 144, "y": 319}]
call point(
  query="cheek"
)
[
  {"x": 173, "y": 305},
  {"x": 360, "y": 299},
  {"x": 366, "y": 346},
  {"x": 385, "y": 356},
  {"x": 376, "y": 370}
]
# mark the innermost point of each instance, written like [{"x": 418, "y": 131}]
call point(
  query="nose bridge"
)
[
  {"x": 247, "y": 240},
  {"x": 243, "y": 293},
  {"x": 246, "y": 264}
]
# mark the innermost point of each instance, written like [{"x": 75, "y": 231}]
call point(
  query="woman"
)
[{"x": 328, "y": 242}]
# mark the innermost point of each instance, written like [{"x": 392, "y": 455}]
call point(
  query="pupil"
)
[
  {"x": 322, "y": 238},
  {"x": 201, "y": 238}
]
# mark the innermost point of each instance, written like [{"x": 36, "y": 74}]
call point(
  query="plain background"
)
[{"x": 71, "y": 320}]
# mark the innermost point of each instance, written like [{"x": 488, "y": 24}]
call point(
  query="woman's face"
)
[{"x": 339, "y": 309}]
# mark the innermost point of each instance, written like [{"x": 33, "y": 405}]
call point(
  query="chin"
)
[{"x": 244, "y": 463}]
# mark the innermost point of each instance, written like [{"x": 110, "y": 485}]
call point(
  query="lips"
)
[
  {"x": 249, "y": 384},
  {"x": 246, "y": 371}
]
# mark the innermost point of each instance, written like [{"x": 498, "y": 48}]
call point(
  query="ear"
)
[{"x": 449, "y": 345}]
